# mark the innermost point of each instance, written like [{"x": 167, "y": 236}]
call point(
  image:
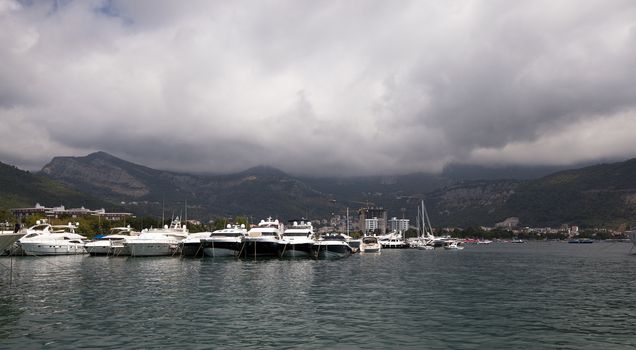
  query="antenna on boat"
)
[
  {"x": 347, "y": 221},
  {"x": 163, "y": 210}
]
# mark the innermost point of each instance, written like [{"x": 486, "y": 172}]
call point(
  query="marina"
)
[{"x": 485, "y": 297}]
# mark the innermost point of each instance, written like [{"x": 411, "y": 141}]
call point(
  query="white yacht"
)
[
  {"x": 298, "y": 240},
  {"x": 263, "y": 239},
  {"x": 226, "y": 242},
  {"x": 331, "y": 246},
  {"x": 453, "y": 245},
  {"x": 111, "y": 244},
  {"x": 157, "y": 241},
  {"x": 370, "y": 244},
  {"x": 392, "y": 240},
  {"x": 46, "y": 239}
]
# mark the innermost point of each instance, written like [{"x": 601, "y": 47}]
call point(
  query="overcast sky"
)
[{"x": 318, "y": 87}]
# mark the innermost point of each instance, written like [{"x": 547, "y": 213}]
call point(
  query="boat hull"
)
[
  {"x": 192, "y": 250},
  {"x": 150, "y": 249},
  {"x": 39, "y": 248},
  {"x": 220, "y": 249},
  {"x": 331, "y": 251},
  {"x": 364, "y": 249},
  {"x": 295, "y": 250},
  {"x": 253, "y": 249}
]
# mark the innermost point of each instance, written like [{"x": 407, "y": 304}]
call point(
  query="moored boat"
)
[
  {"x": 226, "y": 242},
  {"x": 393, "y": 240},
  {"x": 263, "y": 240},
  {"x": 46, "y": 239},
  {"x": 331, "y": 246},
  {"x": 370, "y": 244},
  {"x": 453, "y": 245},
  {"x": 297, "y": 240},
  {"x": 111, "y": 244},
  {"x": 156, "y": 242}
]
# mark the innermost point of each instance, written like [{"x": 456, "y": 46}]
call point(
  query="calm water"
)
[{"x": 512, "y": 296}]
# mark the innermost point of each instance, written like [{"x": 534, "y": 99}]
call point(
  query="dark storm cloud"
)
[{"x": 320, "y": 87}]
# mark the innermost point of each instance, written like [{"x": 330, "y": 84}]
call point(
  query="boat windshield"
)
[
  {"x": 333, "y": 238},
  {"x": 369, "y": 240},
  {"x": 226, "y": 234},
  {"x": 296, "y": 234}
]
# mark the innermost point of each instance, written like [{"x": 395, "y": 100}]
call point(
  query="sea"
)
[{"x": 537, "y": 295}]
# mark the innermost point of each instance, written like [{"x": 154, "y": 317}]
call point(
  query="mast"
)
[{"x": 428, "y": 220}]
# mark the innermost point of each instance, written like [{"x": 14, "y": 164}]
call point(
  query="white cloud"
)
[{"x": 319, "y": 87}]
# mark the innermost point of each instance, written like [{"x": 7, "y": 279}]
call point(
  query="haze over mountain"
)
[
  {"x": 597, "y": 195},
  {"x": 324, "y": 89}
]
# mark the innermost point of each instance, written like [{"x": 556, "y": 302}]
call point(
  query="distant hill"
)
[
  {"x": 596, "y": 195},
  {"x": 20, "y": 188},
  {"x": 260, "y": 191},
  {"x": 600, "y": 195}
]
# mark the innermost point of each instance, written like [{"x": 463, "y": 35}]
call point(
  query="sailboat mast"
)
[{"x": 427, "y": 219}]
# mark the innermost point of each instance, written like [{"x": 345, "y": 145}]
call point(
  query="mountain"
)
[
  {"x": 260, "y": 191},
  {"x": 596, "y": 195},
  {"x": 20, "y": 188},
  {"x": 600, "y": 195}
]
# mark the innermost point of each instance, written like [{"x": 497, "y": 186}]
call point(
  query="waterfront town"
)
[{"x": 364, "y": 221}]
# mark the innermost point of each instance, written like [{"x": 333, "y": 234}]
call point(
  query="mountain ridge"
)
[{"x": 602, "y": 194}]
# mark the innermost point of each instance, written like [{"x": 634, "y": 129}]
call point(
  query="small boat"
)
[
  {"x": 453, "y": 245},
  {"x": 224, "y": 243},
  {"x": 517, "y": 240},
  {"x": 46, "y": 239},
  {"x": 263, "y": 240},
  {"x": 111, "y": 244},
  {"x": 370, "y": 244},
  {"x": 331, "y": 246},
  {"x": 297, "y": 241}
]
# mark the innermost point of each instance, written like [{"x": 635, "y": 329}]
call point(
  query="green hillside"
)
[{"x": 20, "y": 188}]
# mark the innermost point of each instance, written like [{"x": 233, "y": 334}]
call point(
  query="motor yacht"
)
[
  {"x": 298, "y": 240},
  {"x": 226, "y": 242},
  {"x": 393, "y": 240},
  {"x": 46, "y": 239},
  {"x": 263, "y": 240},
  {"x": 370, "y": 244},
  {"x": 331, "y": 246},
  {"x": 156, "y": 241},
  {"x": 111, "y": 244}
]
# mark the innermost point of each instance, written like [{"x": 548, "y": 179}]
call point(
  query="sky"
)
[{"x": 318, "y": 87}]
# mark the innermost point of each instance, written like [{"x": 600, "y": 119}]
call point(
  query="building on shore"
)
[
  {"x": 61, "y": 211},
  {"x": 396, "y": 224},
  {"x": 373, "y": 219}
]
